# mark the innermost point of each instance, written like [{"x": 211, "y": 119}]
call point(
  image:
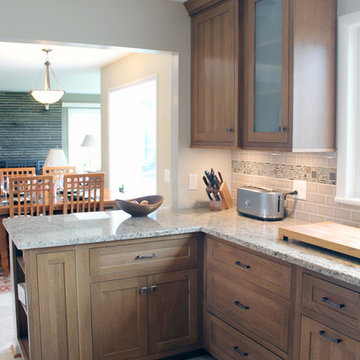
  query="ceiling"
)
[{"x": 76, "y": 68}]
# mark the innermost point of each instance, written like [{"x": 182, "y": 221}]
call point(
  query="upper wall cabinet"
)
[
  {"x": 289, "y": 74},
  {"x": 263, "y": 74},
  {"x": 214, "y": 73}
]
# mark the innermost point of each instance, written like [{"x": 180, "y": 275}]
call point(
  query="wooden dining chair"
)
[
  {"x": 11, "y": 172},
  {"x": 31, "y": 195},
  {"x": 83, "y": 192},
  {"x": 58, "y": 173}
]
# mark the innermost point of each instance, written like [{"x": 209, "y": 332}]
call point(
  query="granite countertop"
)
[{"x": 83, "y": 228}]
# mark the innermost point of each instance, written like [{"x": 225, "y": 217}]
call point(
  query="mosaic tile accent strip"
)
[{"x": 314, "y": 174}]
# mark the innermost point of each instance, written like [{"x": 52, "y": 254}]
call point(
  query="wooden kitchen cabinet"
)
[
  {"x": 289, "y": 75},
  {"x": 214, "y": 74},
  {"x": 263, "y": 74},
  {"x": 319, "y": 342}
]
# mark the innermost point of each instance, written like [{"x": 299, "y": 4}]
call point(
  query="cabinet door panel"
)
[
  {"x": 57, "y": 306},
  {"x": 173, "y": 310},
  {"x": 318, "y": 342},
  {"x": 119, "y": 319},
  {"x": 214, "y": 76}
]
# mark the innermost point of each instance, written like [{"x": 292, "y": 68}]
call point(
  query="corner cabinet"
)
[
  {"x": 263, "y": 74},
  {"x": 214, "y": 74}
]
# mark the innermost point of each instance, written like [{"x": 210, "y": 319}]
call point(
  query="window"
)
[
  {"x": 82, "y": 122},
  {"x": 132, "y": 135},
  {"x": 348, "y": 117}
]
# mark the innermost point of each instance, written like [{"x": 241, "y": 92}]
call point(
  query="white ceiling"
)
[{"x": 76, "y": 68}]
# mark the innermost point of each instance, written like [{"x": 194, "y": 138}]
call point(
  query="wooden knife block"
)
[{"x": 226, "y": 200}]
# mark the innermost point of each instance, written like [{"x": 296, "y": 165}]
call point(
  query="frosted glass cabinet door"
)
[{"x": 268, "y": 66}]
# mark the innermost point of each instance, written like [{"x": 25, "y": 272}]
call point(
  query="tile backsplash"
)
[{"x": 278, "y": 170}]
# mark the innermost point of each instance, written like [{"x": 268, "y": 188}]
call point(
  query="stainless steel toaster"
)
[{"x": 260, "y": 203}]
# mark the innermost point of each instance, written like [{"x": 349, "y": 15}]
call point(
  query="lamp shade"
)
[
  {"x": 55, "y": 157},
  {"x": 47, "y": 96},
  {"x": 89, "y": 141}
]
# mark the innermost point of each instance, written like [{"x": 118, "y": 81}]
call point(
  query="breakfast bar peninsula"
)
[{"x": 106, "y": 285}]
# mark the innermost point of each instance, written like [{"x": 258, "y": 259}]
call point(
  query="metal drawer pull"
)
[
  {"x": 229, "y": 130},
  {"x": 323, "y": 334},
  {"x": 238, "y": 263},
  {"x": 143, "y": 290},
  {"x": 146, "y": 256},
  {"x": 154, "y": 288},
  {"x": 327, "y": 301},
  {"x": 241, "y": 306},
  {"x": 236, "y": 349}
]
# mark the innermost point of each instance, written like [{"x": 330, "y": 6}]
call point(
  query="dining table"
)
[{"x": 109, "y": 203}]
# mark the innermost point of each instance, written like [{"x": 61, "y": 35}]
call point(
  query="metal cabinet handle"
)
[
  {"x": 327, "y": 301},
  {"x": 238, "y": 263},
  {"x": 323, "y": 334},
  {"x": 146, "y": 256},
  {"x": 143, "y": 290},
  {"x": 236, "y": 349},
  {"x": 241, "y": 306},
  {"x": 229, "y": 130},
  {"x": 282, "y": 128},
  {"x": 153, "y": 288}
]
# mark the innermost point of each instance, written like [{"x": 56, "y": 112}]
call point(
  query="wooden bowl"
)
[{"x": 140, "y": 210}]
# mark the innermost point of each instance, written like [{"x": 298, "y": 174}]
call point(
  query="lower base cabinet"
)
[
  {"x": 226, "y": 343},
  {"x": 319, "y": 342}
]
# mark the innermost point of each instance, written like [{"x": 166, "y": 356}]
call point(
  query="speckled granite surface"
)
[{"x": 63, "y": 230}]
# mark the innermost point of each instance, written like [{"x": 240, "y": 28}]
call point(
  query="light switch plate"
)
[
  {"x": 193, "y": 182},
  {"x": 300, "y": 186}
]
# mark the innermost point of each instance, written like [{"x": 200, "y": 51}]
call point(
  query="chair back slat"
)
[
  {"x": 83, "y": 192},
  {"x": 19, "y": 171},
  {"x": 31, "y": 195},
  {"x": 58, "y": 173}
]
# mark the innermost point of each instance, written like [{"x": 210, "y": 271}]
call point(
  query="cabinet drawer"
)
[
  {"x": 226, "y": 343},
  {"x": 321, "y": 342},
  {"x": 144, "y": 258},
  {"x": 256, "y": 269},
  {"x": 334, "y": 301},
  {"x": 250, "y": 307}
]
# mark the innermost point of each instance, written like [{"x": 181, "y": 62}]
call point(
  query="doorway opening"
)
[{"x": 132, "y": 137}]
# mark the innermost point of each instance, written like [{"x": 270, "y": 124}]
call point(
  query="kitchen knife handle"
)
[
  {"x": 140, "y": 257},
  {"x": 327, "y": 301}
]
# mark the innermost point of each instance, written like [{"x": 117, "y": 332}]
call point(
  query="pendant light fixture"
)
[{"x": 47, "y": 96}]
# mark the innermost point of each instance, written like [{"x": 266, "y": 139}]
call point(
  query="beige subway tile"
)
[
  {"x": 302, "y": 216},
  {"x": 355, "y": 216},
  {"x": 332, "y": 219},
  {"x": 277, "y": 158},
  {"x": 260, "y": 180},
  {"x": 350, "y": 223},
  {"x": 265, "y": 157},
  {"x": 272, "y": 182},
  {"x": 289, "y": 158},
  {"x": 330, "y": 201},
  {"x": 326, "y": 210},
  {"x": 327, "y": 189},
  {"x": 312, "y": 187},
  {"x": 303, "y": 159},
  {"x": 317, "y": 198},
  {"x": 316, "y": 218},
  {"x": 349, "y": 207},
  {"x": 318, "y": 160},
  {"x": 284, "y": 184},
  {"x": 254, "y": 156},
  {"x": 235, "y": 155},
  {"x": 331, "y": 162},
  {"x": 310, "y": 207},
  {"x": 342, "y": 214}
]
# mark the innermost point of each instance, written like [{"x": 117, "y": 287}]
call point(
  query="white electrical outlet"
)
[
  {"x": 300, "y": 186},
  {"x": 166, "y": 175},
  {"x": 193, "y": 182}
]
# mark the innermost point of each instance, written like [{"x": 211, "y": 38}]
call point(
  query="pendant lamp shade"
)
[{"x": 48, "y": 96}]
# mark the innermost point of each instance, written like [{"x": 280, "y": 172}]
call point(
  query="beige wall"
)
[{"x": 130, "y": 69}]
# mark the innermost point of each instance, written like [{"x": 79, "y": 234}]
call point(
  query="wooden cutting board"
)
[{"x": 341, "y": 238}]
